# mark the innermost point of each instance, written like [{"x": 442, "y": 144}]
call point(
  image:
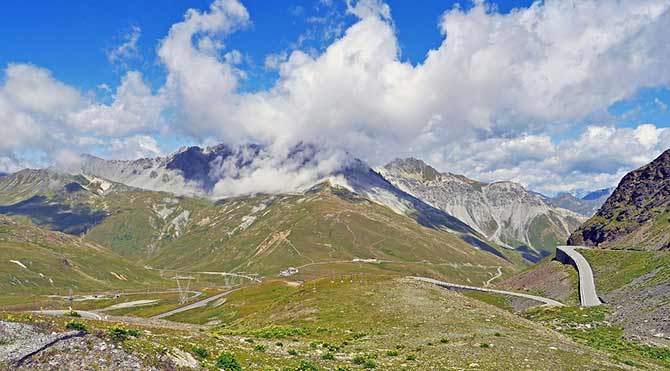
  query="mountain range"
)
[
  {"x": 160, "y": 213},
  {"x": 586, "y": 205},
  {"x": 501, "y": 218}
]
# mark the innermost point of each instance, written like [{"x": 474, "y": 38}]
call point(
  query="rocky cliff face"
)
[
  {"x": 504, "y": 212},
  {"x": 636, "y": 215}
]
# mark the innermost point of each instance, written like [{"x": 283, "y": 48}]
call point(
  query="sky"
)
[{"x": 561, "y": 96}]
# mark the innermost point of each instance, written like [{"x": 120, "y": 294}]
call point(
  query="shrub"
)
[
  {"x": 328, "y": 356},
  {"x": 72, "y": 313},
  {"x": 292, "y": 352},
  {"x": 411, "y": 357},
  {"x": 484, "y": 345},
  {"x": 227, "y": 362},
  {"x": 260, "y": 348},
  {"x": 358, "y": 360},
  {"x": 343, "y": 368},
  {"x": 76, "y": 326},
  {"x": 280, "y": 332},
  {"x": 279, "y": 344},
  {"x": 392, "y": 353},
  {"x": 358, "y": 335},
  {"x": 306, "y": 366},
  {"x": 200, "y": 352},
  {"x": 497, "y": 334},
  {"x": 119, "y": 333},
  {"x": 369, "y": 364},
  {"x": 444, "y": 340}
]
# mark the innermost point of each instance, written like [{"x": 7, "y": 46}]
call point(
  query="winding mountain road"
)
[
  {"x": 197, "y": 304},
  {"x": 61, "y": 312},
  {"x": 588, "y": 296},
  {"x": 546, "y": 301}
]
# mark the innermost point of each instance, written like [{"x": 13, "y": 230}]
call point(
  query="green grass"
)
[
  {"x": 615, "y": 269},
  {"x": 588, "y": 326},
  {"x": 34, "y": 260},
  {"x": 500, "y": 301},
  {"x": 372, "y": 322}
]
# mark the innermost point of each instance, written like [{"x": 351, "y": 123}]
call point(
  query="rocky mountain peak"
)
[
  {"x": 414, "y": 167},
  {"x": 634, "y": 215}
]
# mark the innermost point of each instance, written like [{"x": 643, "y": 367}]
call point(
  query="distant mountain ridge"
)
[
  {"x": 636, "y": 215},
  {"x": 504, "y": 212},
  {"x": 587, "y": 205}
]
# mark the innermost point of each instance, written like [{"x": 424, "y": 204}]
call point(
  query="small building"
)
[{"x": 288, "y": 272}]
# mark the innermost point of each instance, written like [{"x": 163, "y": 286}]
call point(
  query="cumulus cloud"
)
[
  {"x": 134, "y": 108},
  {"x": 134, "y": 147},
  {"x": 267, "y": 170},
  {"x": 597, "y": 158},
  {"x": 493, "y": 75},
  {"x": 38, "y": 113}
]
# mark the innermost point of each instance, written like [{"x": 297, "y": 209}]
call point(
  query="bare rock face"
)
[
  {"x": 636, "y": 215},
  {"x": 504, "y": 212}
]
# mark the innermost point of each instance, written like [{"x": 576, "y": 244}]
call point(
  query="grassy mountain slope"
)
[
  {"x": 35, "y": 260},
  {"x": 320, "y": 232},
  {"x": 636, "y": 215},
  {"x": 634, "y": 285}
]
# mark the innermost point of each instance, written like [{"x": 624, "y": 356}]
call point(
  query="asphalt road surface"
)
[
  {"x": 587, "y": 287},
  {"x": 546, "y": 301}
]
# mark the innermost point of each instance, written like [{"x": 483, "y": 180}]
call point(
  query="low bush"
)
[
  {"x": 200, "y": 352},
  {"x": 72, "y": 313},
  {"x": 76, "y": 326},
  {"x": 120, "y": 333},
  {"x": 227, "y": 362}
]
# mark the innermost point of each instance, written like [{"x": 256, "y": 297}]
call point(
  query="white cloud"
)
[
  {"x": 134, "y": 147},
  {"x": 33, "y": 89},
  {"x": 41, "y": 114},
  {"x": 128, "y": 50},
  {"x": 134, "y": 108},
  {"x": 597, "y": 158},
  {"x": 493, "y": 75}
]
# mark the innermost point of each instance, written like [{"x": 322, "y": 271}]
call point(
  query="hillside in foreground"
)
[{"x": 345, "y": 323}]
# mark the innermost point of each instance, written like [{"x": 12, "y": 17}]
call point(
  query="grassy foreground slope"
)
[
  {"x": 35, "y": 260},
  {"x": 366, "y": 322},
  {"x": 393, "y": 324}
]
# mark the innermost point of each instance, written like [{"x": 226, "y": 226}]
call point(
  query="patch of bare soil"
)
[{"x": 550, "y": 279}]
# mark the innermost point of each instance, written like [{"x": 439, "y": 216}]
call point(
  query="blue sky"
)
[
  {"x": 71, "y": 38},
  {"x": 68, "y": 48}
]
